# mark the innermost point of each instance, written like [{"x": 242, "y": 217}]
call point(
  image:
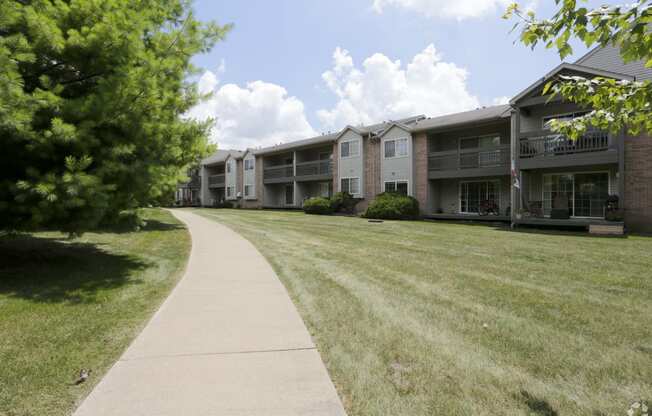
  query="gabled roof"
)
[
  {"x": 323, "y": 139},
  {"x": 352, "y": 128},
  {"x": 235, "y": 154},
  {"x": 220, "y": 156},
  {"x": 247, "y": 152},
  {"x": 567, "y": 69},
  {"x": 332, "y": 137},
  {"x": 379, "y": 128},
  {"x": 480, "y": 115},
  {"x": 392, "y": 125}
]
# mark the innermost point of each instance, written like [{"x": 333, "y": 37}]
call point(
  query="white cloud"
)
[
  {"x": 500, "y": 100},
  {"x": 447, "y": 9},
  {"x": 383, "y": 89},
  {"x": 209, "y": 80},
  {"x": 258, "y": 114}
]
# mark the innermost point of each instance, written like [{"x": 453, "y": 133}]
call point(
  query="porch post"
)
[
  {"x": 515, "y": 168},
  {"x": 621, "y": 168},
  {"x": 294, "y": 176},
  {"x": 203, "y": 187}
]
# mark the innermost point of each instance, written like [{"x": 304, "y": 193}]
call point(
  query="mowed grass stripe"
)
[{"x": 397, "y": 310}]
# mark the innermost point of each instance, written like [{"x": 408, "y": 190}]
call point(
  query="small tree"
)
[
  {"x": 91, "y": 94},
  {"x": 616, "y": 104}
]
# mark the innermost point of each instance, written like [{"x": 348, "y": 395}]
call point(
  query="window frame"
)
[
  {"x": 572, "y": 199},
  {"x": 395, "y": 140},
  {"x": 350, "y": 156},
  {"x": 251, "y": 162},
  {"x": 396, "y": 182},
  {"x": 499, "y": 195},
  {"x": 349, "y": 178}
]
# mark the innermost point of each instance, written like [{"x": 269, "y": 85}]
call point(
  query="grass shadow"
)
[
  {"x": 537, "y": 405},
  {"x": 150, "y": 225},
  {"x": 53, "y": 270}
]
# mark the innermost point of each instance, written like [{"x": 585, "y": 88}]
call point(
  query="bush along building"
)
[{"x": 495, "y": 163}]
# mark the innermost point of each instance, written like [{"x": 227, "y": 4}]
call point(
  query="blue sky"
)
[{"x": 288, "y": 45}]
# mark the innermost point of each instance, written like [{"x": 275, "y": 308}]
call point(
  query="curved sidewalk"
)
[{"x": 227, "y": 341}]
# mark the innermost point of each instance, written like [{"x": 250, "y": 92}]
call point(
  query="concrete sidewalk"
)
[{"x": 227, "y": 341}]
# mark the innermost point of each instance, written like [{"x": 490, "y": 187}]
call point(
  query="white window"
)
[
  {"x": 350, "y": 148},
  {"x": 350, "y": 185},
  {"x": 396, "y": 148},
  {"x": 249, "y": 164},
  {"x": 400, "y": 187},
  {"x": 228, "y": 166},
  {"x": 248, "y": 191},
  {"x": 561, "y": 117},
  {"x": 230, "y": 191}
]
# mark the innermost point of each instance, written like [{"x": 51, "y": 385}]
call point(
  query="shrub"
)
[
  {"x": 318, "y": 206},
  {"x": 393, "y": 206},
  {"x": 223, "y": 204},
  {"x": 343, "y": 202}
]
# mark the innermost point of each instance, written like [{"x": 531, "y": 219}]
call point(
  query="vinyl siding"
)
[
  {"x": 249, "y": 178},
  {"x": 351, "y": 167},
  {"x": 608, "y": 59},
  {"x": 397, "y": 168}
]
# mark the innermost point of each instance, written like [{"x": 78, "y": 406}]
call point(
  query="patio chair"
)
[
  {"x": 536, "y": 209},
  {"x": 560, "y": 208}
]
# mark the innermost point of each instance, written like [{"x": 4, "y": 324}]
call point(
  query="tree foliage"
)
[
  {"x": 616, "y": 104},
  {"x": 91, "y": 94}
]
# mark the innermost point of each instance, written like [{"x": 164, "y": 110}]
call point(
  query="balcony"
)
[
  {"x": 278, "y": 174},
  {"x": 542, "y": 149},
  {"x": 216, "y": 181},
  {"x": 314, "y": 170},
  {"x": 490, "y": 161}
]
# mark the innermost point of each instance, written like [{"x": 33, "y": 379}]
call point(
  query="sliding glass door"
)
[
  {"x": 472, "y": 194},
  {"x": 584, "y": 193}
]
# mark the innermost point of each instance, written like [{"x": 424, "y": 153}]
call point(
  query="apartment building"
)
[{"x": 504, "y": 157}]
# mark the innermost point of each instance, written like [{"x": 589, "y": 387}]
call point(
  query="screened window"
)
[
  {"x": 248, "y": 190},
  {"x": 350, "y": 185},
  {"x": 350, "y": 148},
  {"x": 249, "y": 164},
  {"x": 396, "y": 148},
  {"x": 472, "y": 194},
  {"x": 228, "y": 167},
  {"x": 400, "y": 187},
  {"x": 230, "y": 191}
]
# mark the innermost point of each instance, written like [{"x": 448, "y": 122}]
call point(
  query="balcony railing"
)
[
  {"x": 469, "y": 158},
  {"x": 545, "y": 143},
  {"x": 312, "y": 168},
  {"x": 278, "y": 172},
  {"x": 216, "y": 180}
]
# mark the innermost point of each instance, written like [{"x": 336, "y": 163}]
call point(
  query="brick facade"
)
[
  {"x": 335, "y": 167},
  {"x": 371, "y": 163},
  {"x": 638, "y": 183},
  {"x": 420, "y": 146}
]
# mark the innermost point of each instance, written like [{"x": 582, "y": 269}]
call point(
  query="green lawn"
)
[
  {"x": 71, "y": 304},
  {"x": 419, "y": 318}
]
